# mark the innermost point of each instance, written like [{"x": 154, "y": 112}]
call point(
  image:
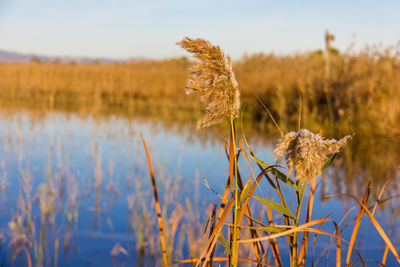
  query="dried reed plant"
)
[
  {"x": 213, "y": 77},
  {"x": 306, "y": 152}
]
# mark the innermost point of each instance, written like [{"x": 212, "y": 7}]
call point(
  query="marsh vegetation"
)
[{"x": 74, "y": 178}]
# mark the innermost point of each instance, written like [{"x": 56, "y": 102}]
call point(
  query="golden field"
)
[
  {"x": 355, "y": 92},
  {"x": 361, "y": 87},
  {"x": 335, "y": 94}
]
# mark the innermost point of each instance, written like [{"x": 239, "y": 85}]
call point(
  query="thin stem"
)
[
  {"x": 303, "y": 247},
  {"x": 158, "y": 207},
  {"x": 235, "y": 228},
  {"x": 296, "y": 234}
]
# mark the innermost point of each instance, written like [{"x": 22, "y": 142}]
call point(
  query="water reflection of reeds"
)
[
  {"x": 54, "y": 202},
  {"x": 47, "y": 212},
  {"x": 363, "y": 97},
  {"x": 44, "y": 226},
  {"x": 373, "y": 155}
]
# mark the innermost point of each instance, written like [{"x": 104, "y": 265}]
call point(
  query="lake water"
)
[{"x": 89, "y": 176}]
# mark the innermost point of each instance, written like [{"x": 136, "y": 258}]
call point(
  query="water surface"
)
[{"x": 89, "y": 176}]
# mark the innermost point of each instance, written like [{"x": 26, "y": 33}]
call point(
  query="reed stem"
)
[
  {"x": 157, "y": 203},
  {"x": 235, "y": 227},
  {"x": 295, "y": 254}
]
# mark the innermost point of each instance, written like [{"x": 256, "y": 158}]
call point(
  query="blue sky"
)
[{"x": 124, "y": 29}]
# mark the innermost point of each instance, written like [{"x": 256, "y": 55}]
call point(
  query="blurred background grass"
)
[{"x": 357, "y": 92}]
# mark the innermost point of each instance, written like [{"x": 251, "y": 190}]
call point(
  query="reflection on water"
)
[{"x": 75, "y": 190}]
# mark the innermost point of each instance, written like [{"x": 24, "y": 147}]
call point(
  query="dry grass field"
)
[
  {"x": 351, "y": 93},
  {"x": 356, "y": 92}
]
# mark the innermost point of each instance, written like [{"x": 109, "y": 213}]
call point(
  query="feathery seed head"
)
[
  {"x": 306, "y": 152},
  {"x": 212, "y": 76}
]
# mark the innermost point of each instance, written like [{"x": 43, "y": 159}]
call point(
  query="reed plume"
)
[
  {"x": 306, "y": 152},
  {"x": 213, "y": 78}
]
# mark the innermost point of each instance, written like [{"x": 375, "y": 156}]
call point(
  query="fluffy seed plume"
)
[
  {"x": 213, "y": 78},
  {"x": 306, "y": 152}
]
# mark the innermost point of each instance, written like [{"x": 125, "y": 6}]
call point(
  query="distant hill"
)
[{"x": 6, "y": 56}]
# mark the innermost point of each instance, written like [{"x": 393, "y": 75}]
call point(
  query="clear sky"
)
[{"x": 130, "y": 28}]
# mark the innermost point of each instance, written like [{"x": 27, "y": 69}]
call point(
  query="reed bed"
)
[
  {"x": 46, "y": 225},
  {"x": 183, "y": 222},
  {"x": 362, "y": 88},
  {"x": 307, "y": 153},
  {"x": 360, "y": 95}
]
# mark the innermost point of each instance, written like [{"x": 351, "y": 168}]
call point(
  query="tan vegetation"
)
[
  {"x": 355, "y": 96},
  {"x": 306, "y": 152},
  {"x": 360, "y": 94},
  {"x": 363, "y": 86}
]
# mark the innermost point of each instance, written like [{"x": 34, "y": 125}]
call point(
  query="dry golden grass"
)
[
  {"x": 360, "y": 88},
  {"x": 306, "y": 152},
  {"x": 212, "y": 76},
  {"x": 363, "y": 89}
]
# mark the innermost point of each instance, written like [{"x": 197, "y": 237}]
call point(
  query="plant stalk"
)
[{"x": 235, "y": 226}]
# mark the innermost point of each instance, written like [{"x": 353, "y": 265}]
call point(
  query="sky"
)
[{"x": 124, "y": 29}]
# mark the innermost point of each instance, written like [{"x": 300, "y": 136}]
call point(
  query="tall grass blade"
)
[
  {"x": 215, "y": 234},
  {"x": 304, "y": 243},
  {"x": 157, "y": 203},
  {"x": 357, "y": 224},
  {"x": 375, "y": 223},
  {"x": 384, "y": 257},
  {"x": 275, "y": 206},
  {"x": 225, "y": 244},
  {"x": 245, "y": 210},
  {"x": 277, "y": 173},
  {"x": 245, "y": 191},
  {"x": 306, "y": 227},
  {"x": 274, "y": 246},
  {"x": 379, "y": 197},
  {"x": 314, "y": 243},
  {"x": 270, "y": 115},
  {"x": 329, "y": 161},
  {"x": 212, "y": 222},
  {"x": 193, "y": 260}
]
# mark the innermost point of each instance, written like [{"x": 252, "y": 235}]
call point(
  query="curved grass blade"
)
[
  {"x": 329, "y": 161},
  {"x": 276, "y": 173},
  {"x": 158, "y": 208},
  {"x": 357, "y": 224},
  {"x": 306, "y": 227},
  {"x": 245, "y": 191},
  {"x": 304, "y": 243},
  {"x": 384, "y": 257},
  {"x": 375, "y": 223},
  {"x": 278, "y": 207},
  {"x": 242, "y": 211},
  {"x": 209, "y": 248},
  {"x": 225, "y": 244},
  {"x": 274, "y": 229},
  {"x": 193, "y": 260},
  {"x": 274, "y": 246},
  {"x": 259, "y": 250}
]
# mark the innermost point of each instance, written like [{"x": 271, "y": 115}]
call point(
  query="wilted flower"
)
[
  {"x": 306, "y": 152},
  {"x": 213, "y": 77}
]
